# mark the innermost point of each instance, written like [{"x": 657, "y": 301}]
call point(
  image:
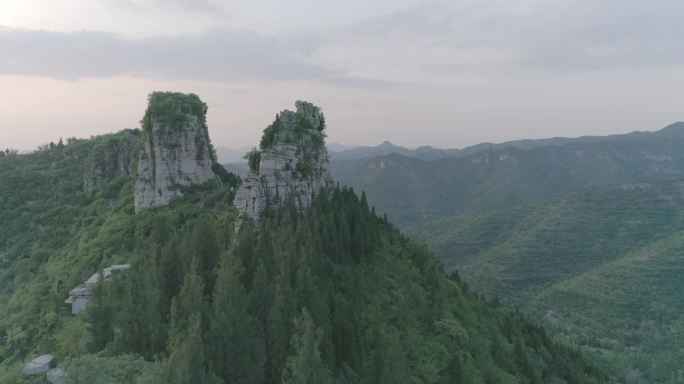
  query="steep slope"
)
[
  {"x": 629, "y": 311},
  {"x": 410, "y": 190},
  {"x": 600, "y": 267},
  {"x": 176, "y": 148},
  {"x": 328, "y": 294},
  {"x": 291, "y": 161},
  {"x": 48, "y": 222}
]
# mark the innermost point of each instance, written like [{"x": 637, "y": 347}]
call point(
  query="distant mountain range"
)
[
  {"x": 386, "y": 148},
  {"x": 342, "y": 152},
  {"x": 227, "y": 155},
  {"x": 493, "y": 176},
  {"x": 585, "y": 235}
]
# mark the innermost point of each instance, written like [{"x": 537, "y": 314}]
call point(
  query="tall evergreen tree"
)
[
  {"x": 142, "y": 326},
  {"x": 236, "y": 343},
  {"x": 100, "y": 315},
  {"x": 279, "y": 325},
  {"x": 305, "y": 365},
  {"x": 206, "y": 250},
  {"x": 187, "y": 363},
  {"x": 189, "y": 302}
]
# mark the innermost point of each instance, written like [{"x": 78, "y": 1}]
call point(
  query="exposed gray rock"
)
[
  {"x": 80, "y": 297},
  {"x": 176, "y": 152},
  {"x": 56, "y": 376},
  {"x": 292, "y": 164},
  {"x": 39, "y": 366}
]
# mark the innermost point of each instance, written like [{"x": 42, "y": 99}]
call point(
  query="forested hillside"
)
[
  {"x": 336, "y": 295},
  {"x": 601, "y": 267},
  {"x": 411, "y": 190}
]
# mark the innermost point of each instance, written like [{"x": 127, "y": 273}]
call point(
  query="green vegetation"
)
[
  {"x": 337, "y": 295},
  {"x": 54, "y": 234},
  {"x": 173, "y": 108},
  {"x": 302, "y": 127},
  {"x": 583, "y": 234},
  {"x": 304, "y": 168},
  {"x": 411, "y": 190},
  {"x": 8, "y": 152},
  {"x": 253, "y": 160},
  {"x": 270, "y": 133},
  {"x": 599, "y": 266}
]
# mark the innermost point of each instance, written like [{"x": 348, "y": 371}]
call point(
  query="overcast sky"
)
[{"x": 444, "y": 73}]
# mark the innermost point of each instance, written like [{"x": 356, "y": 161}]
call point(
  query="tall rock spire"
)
[
  {"x": 176, "y": 148},
  {"x": 291, "y": 161}
]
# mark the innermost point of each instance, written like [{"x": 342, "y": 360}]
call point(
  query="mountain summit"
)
[
  {"x": 291, "y": 161},
  {"x": 176, "y": 148}
]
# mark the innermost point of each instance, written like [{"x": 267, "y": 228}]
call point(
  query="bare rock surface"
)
[{"x": 39, "y": 366}]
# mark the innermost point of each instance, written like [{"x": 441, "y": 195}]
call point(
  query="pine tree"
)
[
  {"x": 345, "y": 333},
  {"x": 261, "y": 295},
  {"x": 279, "y": 325},
  {"x": 100, "y": 314},
  {"x": 524, "y": 362},
  {"x": 142, "y": 326},
  {"x": 236, "y": 344},
  {"x": 305, "y": 365},
  {"x": 189, "y": 302},
  {"x": 206, "y": 250},
  {"x": 170, "y": 270},
  {"x": 453, "y": 373},
  {"x": 186, "y": 363}
]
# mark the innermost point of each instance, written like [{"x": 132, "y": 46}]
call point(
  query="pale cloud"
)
[
  {"x": 441, "y": 72},
  {"x": 192, "y": 6},
  {"x": 222, "y": 56},
  {"x": 505, "y": 36}
]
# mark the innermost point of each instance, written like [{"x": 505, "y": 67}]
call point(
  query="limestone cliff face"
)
[
  {"x": 291, "y": 162},
  {"x": 176, "y": 149}
]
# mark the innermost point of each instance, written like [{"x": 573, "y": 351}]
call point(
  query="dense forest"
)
[
  {"x": 600, "y": 266},
  {"x": 583, "y": 235},
  {"x": 488, "y": 177},
  {"x": 335, "y": 295}
]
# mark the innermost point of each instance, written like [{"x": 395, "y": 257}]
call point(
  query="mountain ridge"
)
[
  {"x": 598, "y": 267},
  {"x": 330, "y": 294},
  {"x": 410, "y": 190}
]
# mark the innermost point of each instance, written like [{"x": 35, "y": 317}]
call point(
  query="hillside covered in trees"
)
[
  {"x": 487, "y": 177},
  {"x": 599, "y": 267},
  {"x": 333, "y": 294}
]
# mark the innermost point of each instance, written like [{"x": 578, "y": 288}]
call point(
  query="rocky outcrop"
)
[
  {"x": 291, "y": 162},
  {"x": 39, "y": 366},
  {"x": 176, "y": 149},
  {"x": 111, "y": 158},
  {"x": 80, "y": 297}
]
